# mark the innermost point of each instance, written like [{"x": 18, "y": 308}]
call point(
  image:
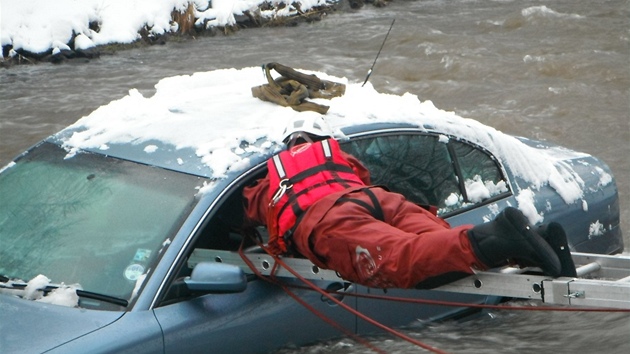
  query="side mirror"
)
[{"x": 212, "y": 277}]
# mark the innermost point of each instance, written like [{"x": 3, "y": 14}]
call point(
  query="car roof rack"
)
[{"x": 602, "y": 280}]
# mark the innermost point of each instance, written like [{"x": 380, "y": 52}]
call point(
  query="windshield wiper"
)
[
  {"x": 103, "y": 297},
  {"x": 81, "y": 293}
]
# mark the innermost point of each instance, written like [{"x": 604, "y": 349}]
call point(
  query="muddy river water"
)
[{"x": 550, "y": 70}]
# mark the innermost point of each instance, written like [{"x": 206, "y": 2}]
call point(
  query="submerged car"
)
[{"x": 98, "y": 223}]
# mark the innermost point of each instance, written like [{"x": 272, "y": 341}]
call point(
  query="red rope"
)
[
  {"x": 285, "y": 287},
  {"x": 336, "y": 301},
  {"x": 332, "y": 322}
]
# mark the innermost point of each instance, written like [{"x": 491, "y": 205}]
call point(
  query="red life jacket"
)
[{"x": 299, "y": 177}]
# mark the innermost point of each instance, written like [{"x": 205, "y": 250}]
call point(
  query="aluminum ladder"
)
[{"x": 602, "y": 280}]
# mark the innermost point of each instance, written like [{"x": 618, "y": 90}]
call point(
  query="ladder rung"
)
[
  {"x": 611, "y": 267},
  {"x": 512, "y": 270},
  {"x": 588, "y": 269},
  {"x": 624, "y": 280}
]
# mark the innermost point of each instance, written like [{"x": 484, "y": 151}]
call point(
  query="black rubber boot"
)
[
  {"x": 555, "y": 236},
  {"x": 509, "y": 236}
]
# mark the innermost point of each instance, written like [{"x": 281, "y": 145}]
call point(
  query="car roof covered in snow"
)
[{"x": 209, "y": 124}]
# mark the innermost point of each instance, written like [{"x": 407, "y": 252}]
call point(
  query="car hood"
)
[{"x": 34, "y": 327}]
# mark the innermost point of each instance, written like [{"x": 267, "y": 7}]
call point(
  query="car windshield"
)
[{"x": 91, "y": 220}]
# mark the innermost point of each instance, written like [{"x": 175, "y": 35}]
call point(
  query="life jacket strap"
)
[{"x": 375, "y": 209}]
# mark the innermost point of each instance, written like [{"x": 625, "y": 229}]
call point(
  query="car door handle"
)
[{"x": 337, "y": 291}]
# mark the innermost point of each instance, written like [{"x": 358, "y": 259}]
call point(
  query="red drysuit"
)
[{"x": 408, "y": 246}]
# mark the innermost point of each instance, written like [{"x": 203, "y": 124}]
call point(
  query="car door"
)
[
  {"x": 462, "y": 180},
  {"x": 259, "y": 319}
]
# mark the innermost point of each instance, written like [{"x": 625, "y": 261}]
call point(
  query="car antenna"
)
[{"x": 379, "y": 52}]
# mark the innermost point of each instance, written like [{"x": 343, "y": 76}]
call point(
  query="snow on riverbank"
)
[{"x": 38, "y": 26}]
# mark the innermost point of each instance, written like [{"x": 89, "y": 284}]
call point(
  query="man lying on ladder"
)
[{"x": 317, "y": 201}]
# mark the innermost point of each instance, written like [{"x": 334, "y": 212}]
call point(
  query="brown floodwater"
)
[{"x": 557, "y": 71}]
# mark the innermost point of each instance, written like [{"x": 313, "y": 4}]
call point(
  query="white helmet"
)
[{"x": 313, "y": 126}]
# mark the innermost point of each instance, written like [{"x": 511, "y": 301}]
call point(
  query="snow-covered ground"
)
[{"x": 38, "y": 26}]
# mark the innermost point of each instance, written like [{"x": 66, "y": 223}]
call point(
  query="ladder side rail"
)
[
  {"x": 526, "y": 283},
  {"x": 587, "y": 292},
  {"x": 506, "y": 282},
  {"x": 510, "y": 284},
  {"x": 264, "y": 264}
]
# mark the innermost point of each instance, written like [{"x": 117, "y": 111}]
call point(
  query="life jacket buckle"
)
[{"x": 283, "y": 186}]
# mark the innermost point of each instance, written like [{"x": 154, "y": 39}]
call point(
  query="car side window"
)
[
  {"x": 416, "y": 166},
  {"x": 431, "y": 169},
  {"x": 482, "y": 176},
  {"x": 221, "y": 231}
]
